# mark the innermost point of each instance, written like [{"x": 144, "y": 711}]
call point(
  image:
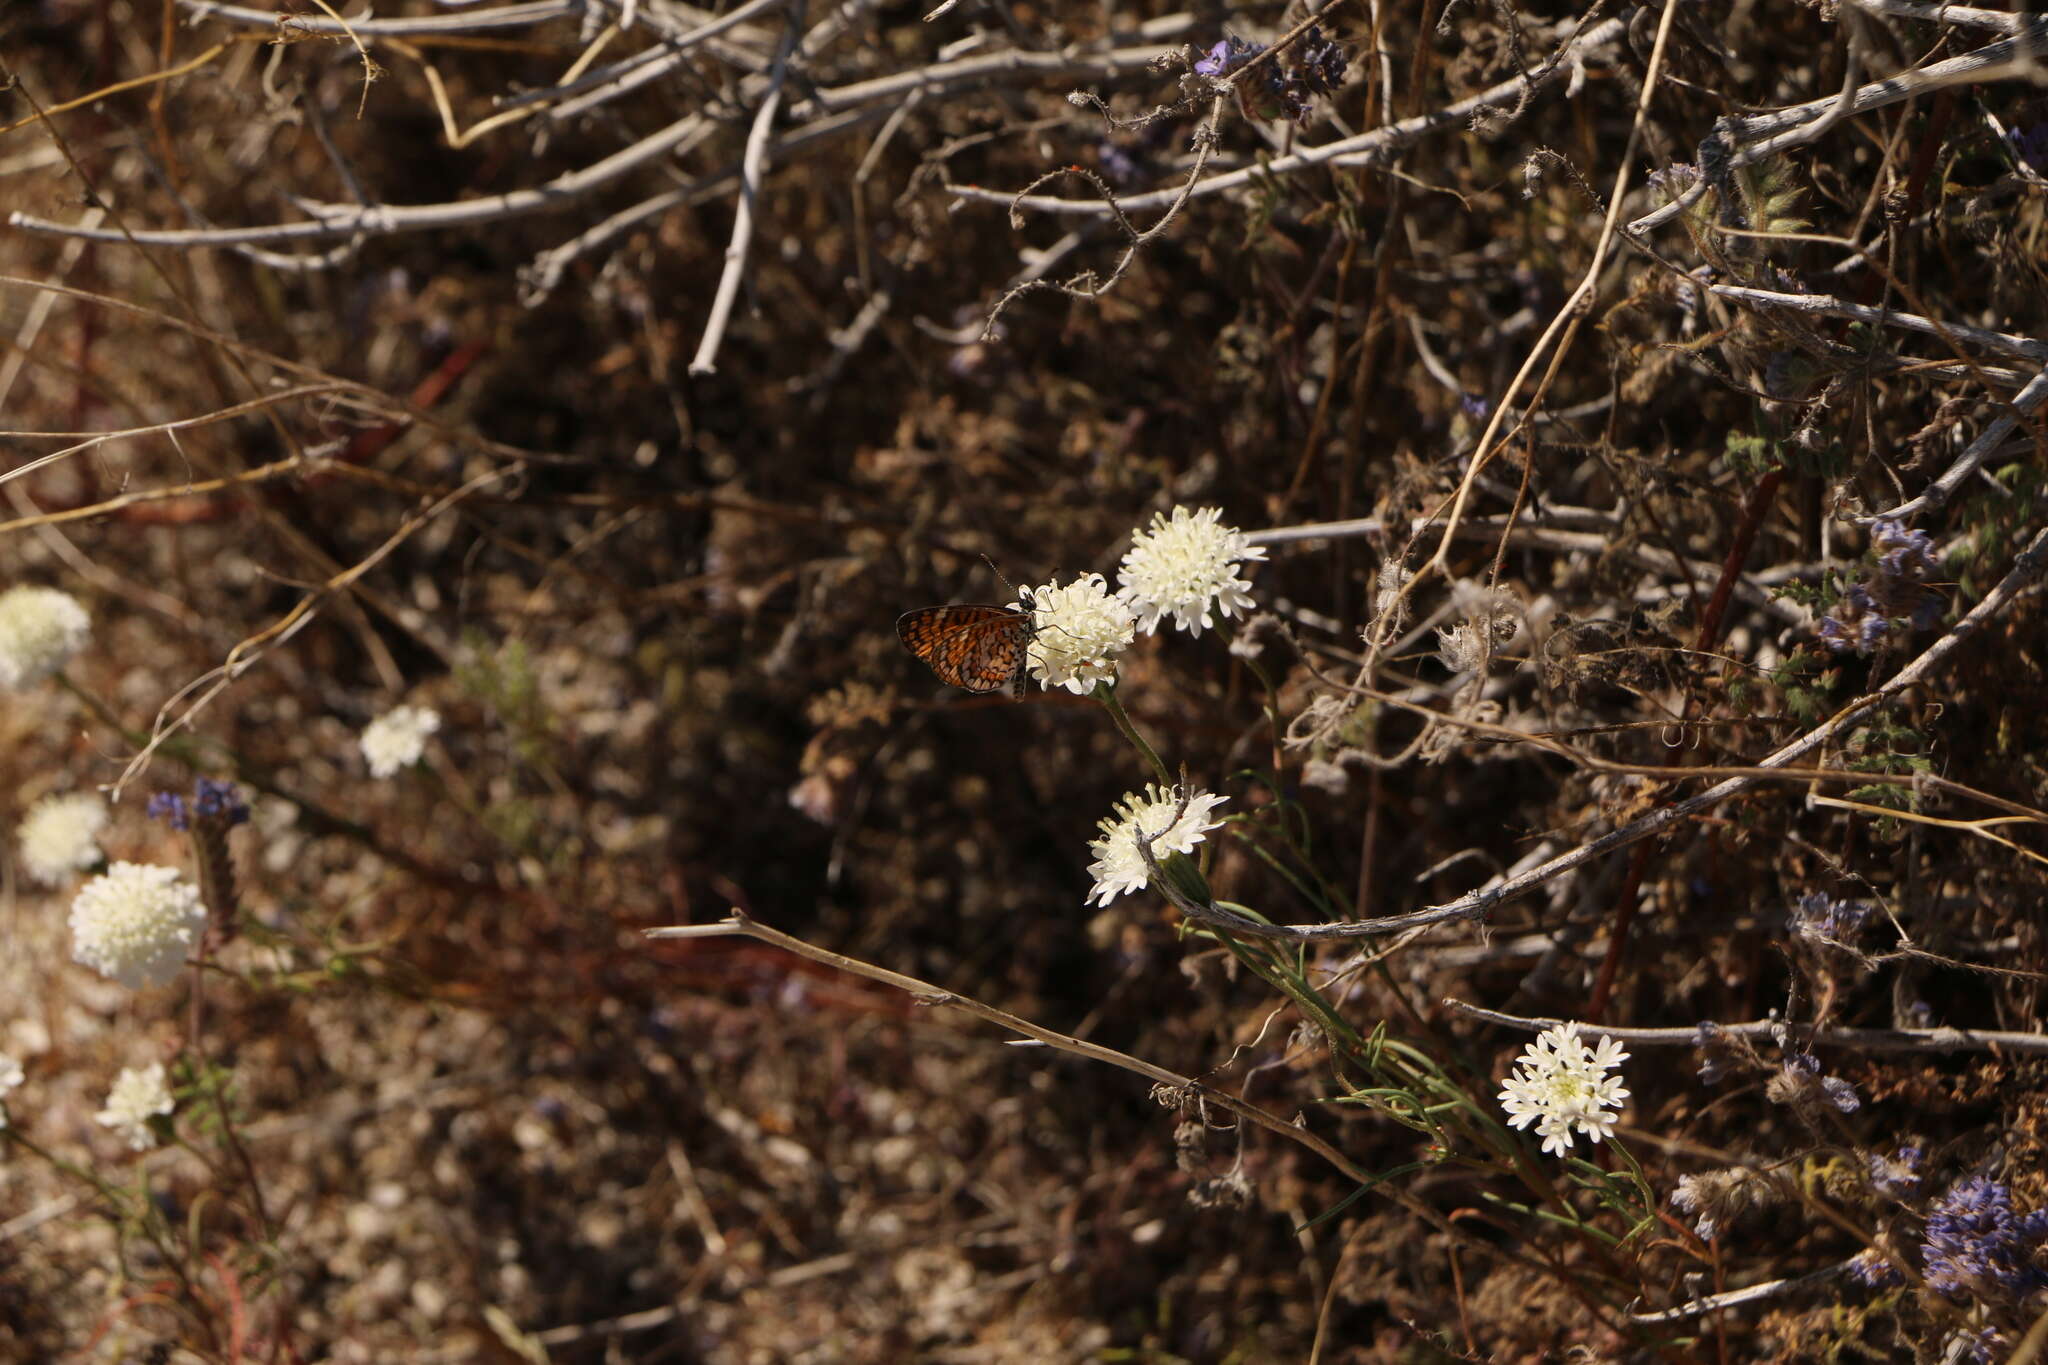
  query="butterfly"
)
[{"x": 972, "y": 645}]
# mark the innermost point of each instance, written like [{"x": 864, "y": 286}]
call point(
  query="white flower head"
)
[
  {"x": 1077, "y": 632},
  {"x": 1187, "y": 567},
  {"x": 40, "y": 629},
  {"x": 397, "y": 738},
  {"x": 1561, "y": 1085},
  {"x": 1118, "y": 866},
  {"x": 138, "y": 1096},
  {"x": 60, "y": 835},
  {"x": 135, "y": 923},
  {"x": 10, "y": 1077}
]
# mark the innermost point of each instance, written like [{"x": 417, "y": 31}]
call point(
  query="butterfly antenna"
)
[{"x": 999, "y": 574}]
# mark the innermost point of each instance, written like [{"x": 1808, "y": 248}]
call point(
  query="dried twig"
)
[
  {"x": 1744, "y": 141},
  {"x": 2027, "y": 567},
  {"x": 1377, "y": 147},
  {"x": 1767, "y": 1030},
  {"x": 469, "y": 21},
  {"x": 752, "y": 166},
  {"x": 1737, "y": 1298},
  {"x": 738, "y": 922},
  {"x": 1826, "y": 305}
]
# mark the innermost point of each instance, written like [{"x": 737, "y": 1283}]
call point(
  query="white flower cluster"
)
[
  {"x": 60, "y": 835},
  {"x": 138, "y": 1096},
  {"x": 135, "y": 923},
  {"x": 1562, "y": 1086},
  {"x": 10, "y": 1077},
  {"x": 1077, "y": 632},
  {"x": 40, "y": 629},
  {"x": 1184, "y": 566},
  {"x": 398, "y": 738},
  {"x": 1157, "y": 813},
  {"x": 1187, "y": 567}
]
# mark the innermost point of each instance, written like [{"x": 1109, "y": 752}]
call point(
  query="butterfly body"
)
[{"x": 972, "y": 645}]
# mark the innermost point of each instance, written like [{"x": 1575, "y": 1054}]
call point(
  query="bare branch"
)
[
  {"x": 473, "y": 21},
  {"x": 1377, "y": 147},
  {"x": 1766, "y": 1030},
  {"x": 752, "y": 167}
]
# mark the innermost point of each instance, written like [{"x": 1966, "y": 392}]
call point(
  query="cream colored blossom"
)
[
  {"x": 60, "y": 835},
  {"x": 1187, "y": 567},
  {"x": 1561, "y": 1085},
  {"x": 40, "y": 629},
  {"x": 136, "y": 924},
  {"x": 1118, "y": 866},
  {"x": 398, "y": 738},
  {"x": 138, "y": 1096},
  {"x": 10, "y": 1076},
  {"x": 1078, "y": 630}
]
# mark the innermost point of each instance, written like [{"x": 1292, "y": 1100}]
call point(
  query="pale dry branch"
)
[
  {"x": 1745, "y": 141},
  {"x": 753, "y": 165},
  {"x": 345, "y": 220},
  {"x": 472, "y": 21},
  {"x": 1738, "y": 1298},
  {"x": 1826, "y": 305},
  {"x": 2023, "y": 404},
  {"x": 2026, "y": 569},
  {"x": 739, "y": 923},
  {"x": 1770, "y": 1030},
  {"x": 1378, "y": 147}
]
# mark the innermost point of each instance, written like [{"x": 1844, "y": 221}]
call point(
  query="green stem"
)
[
  {"x": 112, "y": 1194},
  {"x": 1106, "y": 694}
]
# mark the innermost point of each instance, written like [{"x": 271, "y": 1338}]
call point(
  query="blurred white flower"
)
[
  {"x": 137, "y": 1097},
  {"x": 1118, "y": 866},
  {"x": 397, "y": 738},
  {"x": 135, "y": 923},
  {"x": 1078, "y": 632},
  {"x": 1187, "y": 567},
  {"x": 10, "y": 1077},
  {"x": 1560, "y": 1084},
  {"x": 40, "y": 629},
  {"x": 60, "y": 835}
]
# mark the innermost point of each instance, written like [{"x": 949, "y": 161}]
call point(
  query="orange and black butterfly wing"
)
[
  {"x": 997, "y": 654},
  {"x": 977, "y": 647}
]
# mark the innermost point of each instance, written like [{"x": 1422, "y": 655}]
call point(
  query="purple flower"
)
[
  {"x": 2030, "y": 145},
  {"x": 1719, "y": 1054},
  {"x": 1897, "y": 1174},
  {"x": 1117, "y": 163},
  {"x": 1801, "y": 1084},
  {"x": 1319, "y": 63},
  {"x": 1902, "y": 552},
  {"x": 170, "y": 808},
  {"x": 215, "y": 799},
  {"x": 1315, "y": 66},
  {"x": 1981, "y": 1347},
  {"x": 1977, "y": 1244},
  {"x": 1819, "y": 918},
  {"x": 1227, "y": 56},
  {"x": 1871, "y": 1269},
  {"x": 212, "y": 800},
  {"x": 1893, "y": 592}
]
